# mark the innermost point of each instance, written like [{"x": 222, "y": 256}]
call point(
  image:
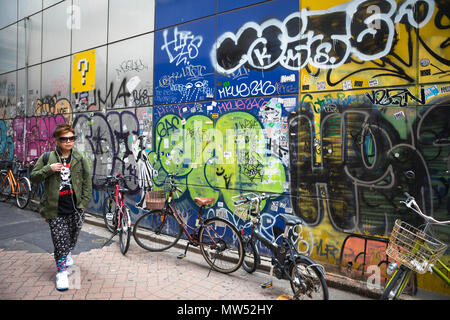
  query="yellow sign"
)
[{"x": 83, "y": 71}]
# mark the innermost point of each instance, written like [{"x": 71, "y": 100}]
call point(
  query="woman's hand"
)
[{"x": 56, "y": 167}]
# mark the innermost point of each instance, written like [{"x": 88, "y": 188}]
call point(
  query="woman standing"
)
[{"x": 68, "y": 190}]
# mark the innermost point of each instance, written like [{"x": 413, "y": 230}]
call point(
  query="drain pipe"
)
[{"x": 26, "y": 22}]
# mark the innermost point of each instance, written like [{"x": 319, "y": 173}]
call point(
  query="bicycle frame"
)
[
  {"x": 119, "y": 202},
  {"x": 272, "y": 246},
  {"x": 116, "y": 196},
  {"x": 440, "y": 274},
  {"x": 15, "y": 186},
  {"x": 120, "y": 205},
  {"x": 404, "y": 281},
  {"x": 184, "y": 226}
]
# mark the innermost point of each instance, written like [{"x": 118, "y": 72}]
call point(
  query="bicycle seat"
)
[
  {"x": 123, "y": 190},
  {"x": 203, "y": 201},
  {"x": 291, "y": 220},
  {"x": 3, "y": 171}
]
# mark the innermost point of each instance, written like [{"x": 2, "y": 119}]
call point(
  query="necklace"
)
[{"x": 63, "y": 160}]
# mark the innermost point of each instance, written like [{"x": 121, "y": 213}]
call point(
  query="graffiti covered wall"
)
[{"x": 339, "y": 107}]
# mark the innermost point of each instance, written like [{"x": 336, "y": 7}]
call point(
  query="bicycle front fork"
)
[{"x": 397, "y": 283}]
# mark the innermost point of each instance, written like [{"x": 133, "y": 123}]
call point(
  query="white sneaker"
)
[
  {"x": 69, "y": 260},
  {"x": 62, "y": 281}
]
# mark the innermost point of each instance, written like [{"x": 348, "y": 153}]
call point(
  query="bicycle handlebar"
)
[
  {"x": 236, "y": 203},
  {"x": 260, "y": 198},
  {"x": 114, "y": 179},
  {"x": 171, "y": 181},
  {"x": 412, "y": 204}
]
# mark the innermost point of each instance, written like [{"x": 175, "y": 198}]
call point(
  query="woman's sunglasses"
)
[{"x": 67, "y": 139}]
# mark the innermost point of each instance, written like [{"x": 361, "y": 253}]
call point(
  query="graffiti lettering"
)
[
  {"x": 255, "y": 88},
  {"x": 184, "y": 46},
  {"x": 131, "y": 65},
  {"x": 401, "y": 97},
  {"x": 141, "y": 97},
  {"x": 295, "y": 42}
]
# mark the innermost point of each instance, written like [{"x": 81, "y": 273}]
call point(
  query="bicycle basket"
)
[
  {"x": 155, "y": 199},
  {"x": 241, "y": 210},
  {"x": 413, "y": 248}
]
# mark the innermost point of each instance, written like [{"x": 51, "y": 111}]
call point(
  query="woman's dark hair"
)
[{"x": 62, "y": 129}]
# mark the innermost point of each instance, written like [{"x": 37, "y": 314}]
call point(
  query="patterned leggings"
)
[{"x": 64, "y": 231}]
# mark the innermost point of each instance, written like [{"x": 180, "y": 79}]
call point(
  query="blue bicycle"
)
[{"x": 307, "y": 277}]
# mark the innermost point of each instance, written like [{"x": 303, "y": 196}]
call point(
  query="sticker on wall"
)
[
  {"x": 133, "y": 83},
  {"x": 83, "y": 71},
  {"x": 431, "y": 92}
]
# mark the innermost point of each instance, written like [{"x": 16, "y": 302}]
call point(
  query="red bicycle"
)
[
  {"x": 219, "y": 241},
  {"x": 116, "y": 214}
]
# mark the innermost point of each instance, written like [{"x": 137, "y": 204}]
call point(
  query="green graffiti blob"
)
[{"x": 225, "y": 158}]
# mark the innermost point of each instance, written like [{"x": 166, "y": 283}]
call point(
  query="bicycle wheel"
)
[
  {"x": 109, "y": 216},
  {"x": 396, "y": 284},
  {"x": 157, "y": 230},
  {"x": 251, "y": 255},
  {"x": 307, "y": 281},
  {"x": 24, "y": 192},
  {"x": 221, "y": 245},
  {"x": 5, "y": 187},
  {"x": 125, "y": 230}
]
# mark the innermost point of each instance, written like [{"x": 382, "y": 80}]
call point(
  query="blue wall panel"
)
[
  {"x": 171, "y": 12},
  {"x": 251, "y": 47},
  {"x": 224, "y": 5},
  {"x": 183, "y": 70}
]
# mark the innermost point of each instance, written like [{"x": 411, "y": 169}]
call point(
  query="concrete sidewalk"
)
[{"x": 27, "y": 269}]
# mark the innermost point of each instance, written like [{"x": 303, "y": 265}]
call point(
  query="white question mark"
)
[{"x": 85, "y": 63}]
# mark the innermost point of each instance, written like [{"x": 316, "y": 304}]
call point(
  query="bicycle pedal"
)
[
  {"x": 181, "y": 256},
  {"x": 266, "y": 285}
]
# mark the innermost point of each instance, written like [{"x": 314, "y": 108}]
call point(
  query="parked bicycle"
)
[
  {"x": 116, "y": 214},
  {"x": 307, "y": 278},
  {"x": 415, "y": 250},
  {"x": 161, "y": 228},
  {"x": 13, "y": 183}
]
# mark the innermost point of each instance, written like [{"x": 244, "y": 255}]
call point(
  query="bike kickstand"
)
[
  {"x": 268, "y": 284},
  {"x": 215, "y": 257},
  {"x": 183, "y": 255},
  {"x": 109, "y": 240}
]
